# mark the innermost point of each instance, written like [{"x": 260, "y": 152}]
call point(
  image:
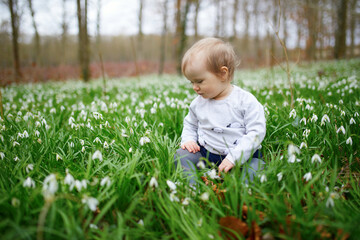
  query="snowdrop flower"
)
[
  {"x": 306, "y": 133},
  {"x": 314, "y": 118},
  {"x": 325, "y": 119},
  {"x": 144, "y": 140},
  {"x": 106, "y": 145},
  {"x": 37, "y": 133},
  {"x": 50, "y": 186},
  {"x": 342, "y": 113},
  {"x": 330, "y": 201},
  {"x": 16, "y": 158},
  {"x": 173, "y": 197},
  {"x": 97, "y": 155},
  {"x": 205, "y": 196},
  {"x": 2, "y": 155},
  {"x": 105, "y": 181},
  {"x": 153, "y": 183},
  {"x": 97, "y": 140},
  {"x": 141, "y": 222},
  {"x": 356, "y": 114},
  {"x": 303, "y": 120},
  {"x": 82, "y": 142},
  {"x": 97, "y": 115},
  {"x": 349, "y": 141},
  {"x": 83, "y": 149},
  {"x": 145, "y": 124},
  {"x": 279, "y": 176},
  {"x": 90, "y": 202},
  {"x": 130, "y": 150},
  {"x": 93, "y": 226},
  {"x": 315, "y": 158},
  {"x": 69, "y": 180},
  {"x": 161, "y": 124},
  {"x": 29, "y": 183},
  {"x": 303, "y": 145},
  {"x": 153, "y": 110},
  {"x": 58, "y": 157},
  {"x": 71, "y": 120},
  {"x": 342, "y": 129},
  {"x": 292, "y": 114},
  {"x": 72, "y": 144},
  {"x": 263, "y": 178},
  {"x": 186, "y": 201},
  {"x": 352, "y": 121},
  {"x": 201, "y": 164},
  {"x": 15, "y": 143},
  {"x": 307, "y": 176},
  {"x": 171, "y": 185},
  {"x": 29, "y": 167},
  {"x": 212, "y": 174},
  {"x": 25, "y": 134}
]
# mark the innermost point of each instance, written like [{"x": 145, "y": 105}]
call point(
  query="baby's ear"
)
[{"x": 224, "y": 71}]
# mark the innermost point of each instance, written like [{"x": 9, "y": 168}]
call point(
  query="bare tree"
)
[
  {"x": 36, "y": 58},
  {"x": 340, "y": 34},
  {"x": 197, "y": 9},
  {"x": 64, "y": 33},
  {"x": 180, "y": 35},
  {"x": 311, "y": 15},
  {"x": 98, "y": 19},
  {"x": 140, "y": 33},
  {"x": 15, "y": 24},
  {"x": 84, "y": 50},
  {"x": 352, "y": 26},
  {"x": 163, "y": 37},
  {"x": 234, "y": 19},
  {"x": 247, "y": 22}
]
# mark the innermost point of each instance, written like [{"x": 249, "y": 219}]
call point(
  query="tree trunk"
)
[
  {"x": 98, "y": 19},
  {"x": 84, "y": 50},
  {"x": 13, "y": 7},
  {"x": 352, "y": 27},
  {"x": 273, "y": 37},
  {"x": 311, "y": 12},
  {"x": 181, "y": 32},
  {"x": 234, "y": 20},
  {"x": 163, "y": 38},
  {"x": 247, "y": 22},
  {"x": 197, "y": 8},
  {"x": 218, "y": 17},
  {"x": 64, "y": 27},
  {"x": 140, "y": 36},
  {"x": 37, "y": 56},
  {"x": 340, "y": 34}
]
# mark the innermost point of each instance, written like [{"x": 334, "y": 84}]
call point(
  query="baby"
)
[{"x": 225, "y": 123}]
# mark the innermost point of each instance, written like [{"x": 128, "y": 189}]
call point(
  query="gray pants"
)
[{"x": 189, "y": 160}]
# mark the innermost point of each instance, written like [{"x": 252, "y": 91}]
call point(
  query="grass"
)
[{"x": 56, "y": 128}]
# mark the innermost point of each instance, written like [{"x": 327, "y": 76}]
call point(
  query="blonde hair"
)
[{"x": 217, "y": 54}]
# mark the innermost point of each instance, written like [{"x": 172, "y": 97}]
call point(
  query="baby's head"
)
[{"x": 215, "y": 54}]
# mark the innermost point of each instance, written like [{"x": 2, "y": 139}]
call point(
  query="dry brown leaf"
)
[
  {"x": 230, "y": 224},
  {"x": 341, "y": 235},
  {"x": 255, "y": 232}
]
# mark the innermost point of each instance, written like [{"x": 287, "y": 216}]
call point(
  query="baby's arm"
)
[
  {"x": 225, "y": 166},
  {"x": 189, "y": 134}
]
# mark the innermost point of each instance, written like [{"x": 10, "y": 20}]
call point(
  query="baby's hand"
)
[
  {"x": 191, "y": 146},
  {"x": 225, "y": 166}
]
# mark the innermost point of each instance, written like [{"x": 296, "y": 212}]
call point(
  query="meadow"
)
[{"x": 93, "y": 161}]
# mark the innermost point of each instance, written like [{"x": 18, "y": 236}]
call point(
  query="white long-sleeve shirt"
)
[{"x": 234, "y": 126}]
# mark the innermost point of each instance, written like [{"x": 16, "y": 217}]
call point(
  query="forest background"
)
[{"x": 310, "y": 30}]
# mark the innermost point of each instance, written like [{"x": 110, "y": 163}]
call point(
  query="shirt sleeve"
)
[
  {"x": 255, "y": 125},
  {"x": 190, "y": 128}
]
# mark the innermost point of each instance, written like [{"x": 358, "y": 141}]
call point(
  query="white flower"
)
[
  {"x": 314, "y": 118},
  {"x": 352, "y": 121},
  {"x": 303, "y": 120},
  {"x": 153, "y": 183},
  {"x": 50, "y": 186},
  {"x": 212, "y": 174},
  {"x": 37, "y": 133},
  {"x": 201, "y": 164},
  {"x": 71, "y": 120},
  {"x": 205, "y": 196},
  {"x": 97, "y": 140},
  {"x": 356, "y": 114},
  {"x": 306, "y": 133},
  {"x": 106, "y": 145},
  {"x": 315, "y": 158},
  {"x": 15, "y": 143},
  {"x": 29, "y": 167},
  {"x": 325, "y": 119},
  {"x": 342, "y": 113},
  {"x": 171, "y": 185},
  {"x": 292, "y": 149},
  {"x": 93, "y": 226},
  {"x": 263, "y": 178},
  {"x": 186, "y": 201},
  {"x": 303, "y": 145},
  {"x": 29, "y": 183},
  {"x": 349, "y": 141},
  {"x": 90, "y": 202},
  {"x": 16, "y": 159},
  {"x": 144, "y": 140},
  {"x": 330, "y": 201},
  {"x": 342, "y": 129},
  {"x": 279, "y": 176},
  {"x": 141, "y": 222},
  {"x": 173, "y": 197},
  {"x": 106, "y": 180},
  {"x": 58, "y": 157},
  {"x": 292, "y": 114},
  {"x": 2, "y": 155},
  {"x": 82, "y": 142},
  {"x": 69, "y": 179},
  {"x": 83, "y": 149},
  {"x": 307, "y": 176},
  {"x": 97, "y": 155}
]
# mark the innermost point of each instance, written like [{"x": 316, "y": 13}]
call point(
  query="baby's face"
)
[{"x": 205, "y": 83}]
